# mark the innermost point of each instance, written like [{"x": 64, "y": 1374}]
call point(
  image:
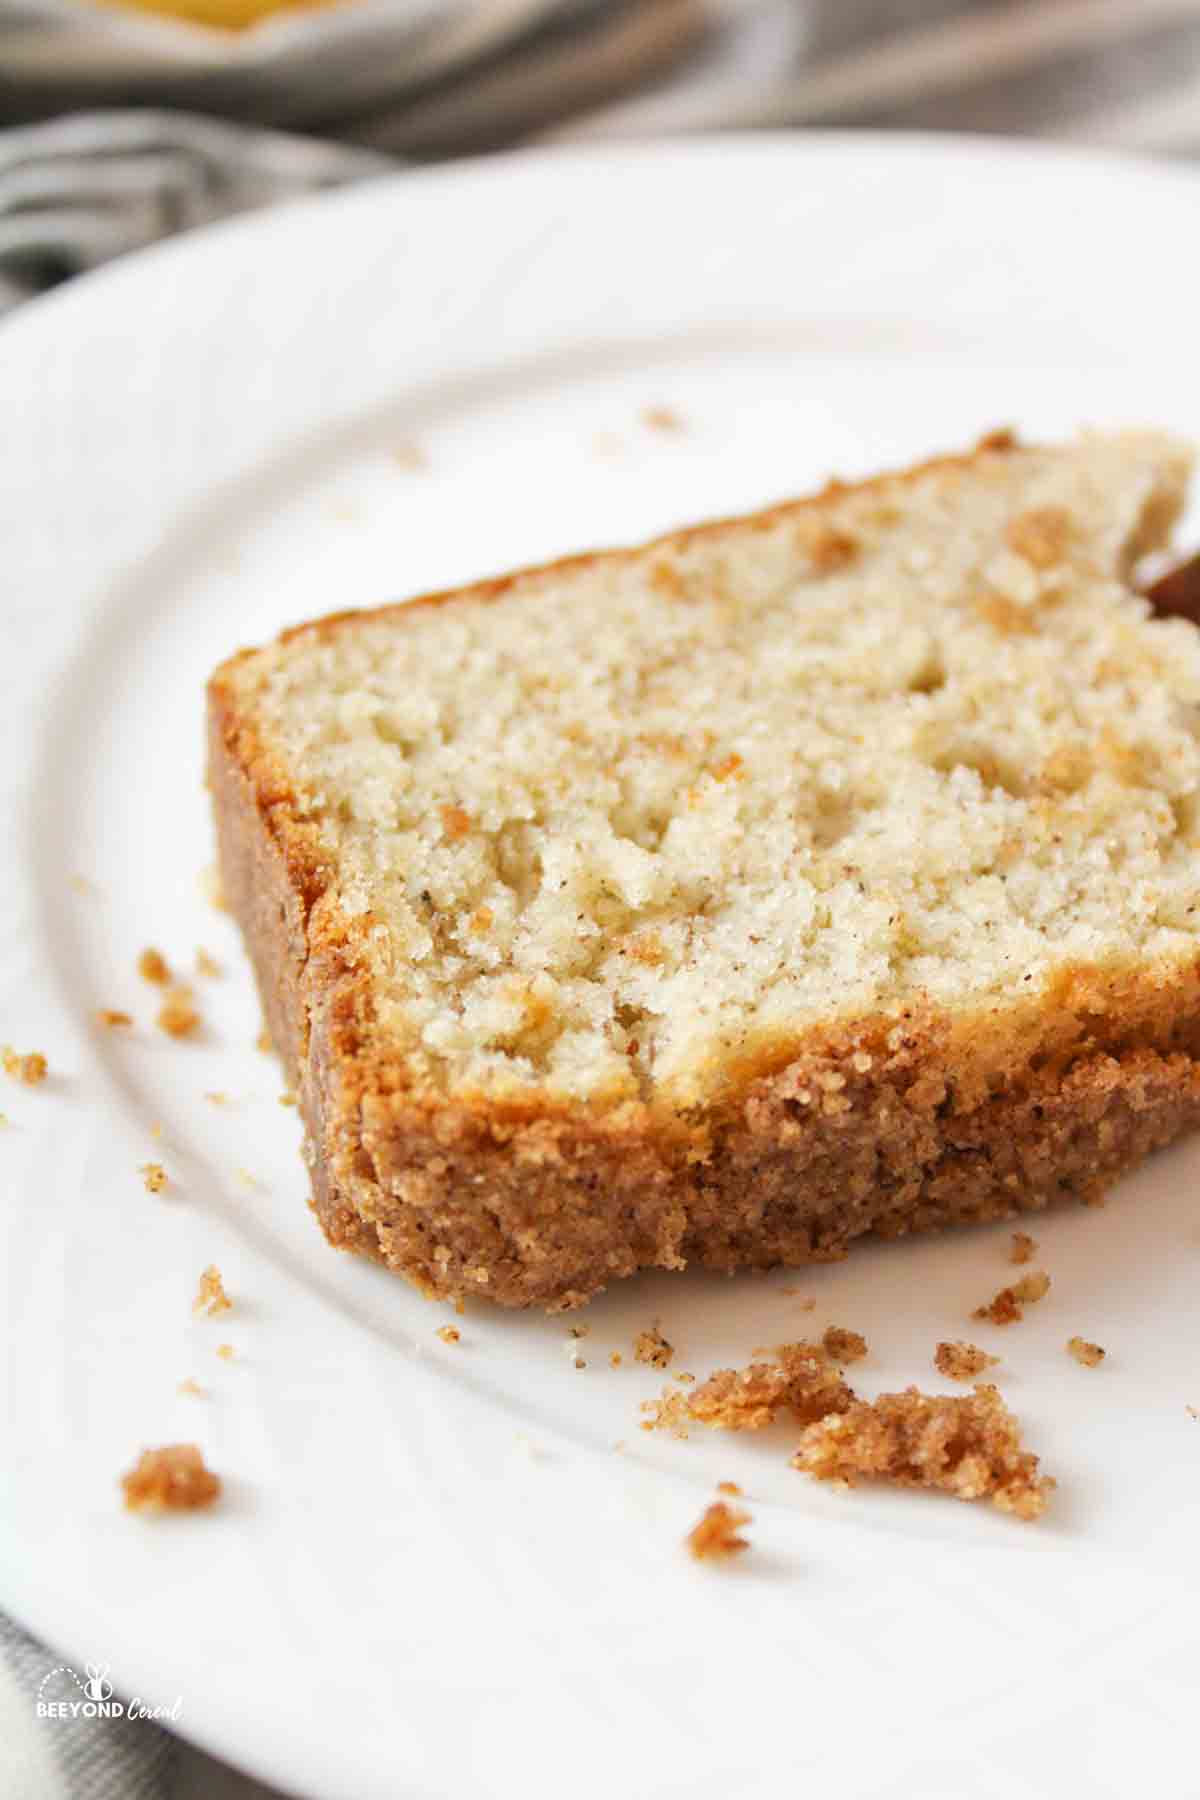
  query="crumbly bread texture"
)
[
  {"x": 962, "y": 1362},
  {"x": 968, "y": 1445},
  {"x": 800, "y": 1378},
  {"x": 830, "y": 870}
]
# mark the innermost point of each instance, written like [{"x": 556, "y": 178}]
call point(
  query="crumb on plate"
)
[
  {"x": 29, "y": 1068},
  {"x": 1084, "y": 1352},
  {"x": 962, "y": 1362},
  {"x": 652, "y": 1347},
  {"x": 967, "y": 1445},
  {"x": 191, "y": 1386},
  {"x": 113, "y": 1019},
  {"x": 1006, "y": 1307},
  {"x": 729, "y": 1487},
  {"x": 716, "y": 1536},
  {"x": 661, "y": 418},
  {"x": 225, "y": 1352},
  {"x": 154, "y": 1177},
  {"x": 263, "y": 1042},
  {"x": 153, "y": 966},
  {"x": 171, "y": 1479},
  {"x": 177, "y": 1015},
  {"x": 844, "y": 1346},
  {"x": 668, "y": 1413},
  {"x": 207, "y": 965},
  {"x": 801, "y": 1378},
  {"x": 449, "y": 1334},
  {"x": 211, "y": 1297},
  {"x": 614, "y": 1359},
  {"x": 1024, "y": 1248}
]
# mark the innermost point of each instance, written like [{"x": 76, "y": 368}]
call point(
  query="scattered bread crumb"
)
[
  {"x": 967, "y": 1445},
  {"x": 962, "y": 1362},
  {"x": 211, "y": 888},
  {"x": 30, "y": 1068},
  {"x": 217, "y": 1097},
  {"x": 683, "y": 1376},
  {"x": 652, "y": 1347},
  {"x": 225, "y": 1352},
  {"x": 728, "y": 1487},
  {"x": 207, "y": 965},
  {"x": 154, "y": 1176},
  {"x": 211, "y": 1297},
  {"x": 171, "y": 1479},
  {"x": 263, "y": 1042},
  {"x": 177, "y": 1015},
  {"x": 661, "y": 418},
  {"x": 287, "y": 1098},
  {"x": 156, "y": 1129},
  {"x": 1024, "y": 1248},
  {"x": 190, "y": 1386},
  {"x": 802, "y": 1378},
  {"x": 1193, "y": 1412},
  {"x": 578, "y": 1331},
  {"x": 449, "y": 1334},
  {"x": 113, "y": 1019},
  {"x": 614, "y": 1359},
  {"x": 152, "y": 966},
  {"x": 668, "y": 1413},
  {"x": 1006, "y": 1307},
  {"x": 1083, "y": 1352},
  {"x": 844, "y": 1346},
  {"x": 715, "y": 1537}
]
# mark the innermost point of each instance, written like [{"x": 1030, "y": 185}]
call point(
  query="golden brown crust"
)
[{"x": 884, "y": 1124}]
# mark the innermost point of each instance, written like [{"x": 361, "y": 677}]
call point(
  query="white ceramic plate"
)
[{"x": 434, "y": 1573}]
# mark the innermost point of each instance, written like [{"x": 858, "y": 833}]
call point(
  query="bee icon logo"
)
[{"x": 96, "y": 1688}]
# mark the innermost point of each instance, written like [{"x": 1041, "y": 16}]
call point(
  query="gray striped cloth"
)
[
  {"x": 85, "y": 176},
  {"x": 79, "y": 189}
]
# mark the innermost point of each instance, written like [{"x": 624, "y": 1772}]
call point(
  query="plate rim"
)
[{"x": 68, "y": 309}]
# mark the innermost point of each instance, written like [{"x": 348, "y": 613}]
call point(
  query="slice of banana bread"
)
[{"x": 830, "y": 870}]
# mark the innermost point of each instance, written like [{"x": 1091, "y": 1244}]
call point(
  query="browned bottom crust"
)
[
  {"x": 483, "y": 1219},
  {"x": 535, "y": 1204}
]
